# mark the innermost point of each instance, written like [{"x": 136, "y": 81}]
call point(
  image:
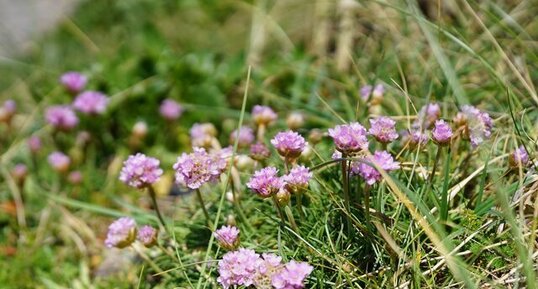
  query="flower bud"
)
[
  {"x": 295, "y": 120},
  {"x": 227, "y": 237},
  {"x": 147, "y": 235},
  {"x": 243, "y": 162},
  {"x": 140, "y": 130},
  {"x": 283, "y": 197},
  {"x": 315, "y": 136}
]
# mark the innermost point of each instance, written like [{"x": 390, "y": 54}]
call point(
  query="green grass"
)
[{"x": 482, "y": 235}]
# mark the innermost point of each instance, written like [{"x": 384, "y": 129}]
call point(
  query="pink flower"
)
[
  {"x": 227, "y": 237},
  {"x": 267, "y": 267},
  {"x": 415, "y": 138},
  {"x": 383, "y": 129},
  {"x": 91, "y": 102},
  {"x": 477, "y": 124},
  {"x": 75, "y": 177},
  {"x": 34, "y": 143},
  {"x": 349, "y": 138},
  {"x": 202, "y": 134},
  {"x": 292, "y": 276},
  {"x": 427, "y": 116},
  {"x": 73, "y": 81},
  {"x": 19, "y": 173},
  {"x": 289, "y": 144},
  {"x": 61, "y": 117},
  {"x": 147, "y": 235},
  {"x": 121, "y": 233},
  {"x": 369, "y": 173},
  {"x": 59, "y": 161},
  {"x": 376, "y": 92},
  {"x": 265, "y": 182},
  {"x": 298, "y": 178},
  {"x": 170, "y": 109},
  {"x": 8, "y": 110},
  {"x": 259, "y": 152},
  {"x": 244, "y": 136},
  {"x": 238, "y": 268},
  {"x": 263, "y": 115},
  {"x": 197, "y": 168},
  {"x": 442, "y": 132},
  {"x": 139, "y": 171},
  {"x": 519, "y": 157}
]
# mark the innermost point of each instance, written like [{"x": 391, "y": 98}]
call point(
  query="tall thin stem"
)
[
  {"x": 345, "y": 184},
  {"x": 153, "y": 197},
  {"x": 291, "y": 218},
  {"x": 206, "y": 214},
  {"x": 279, "y": 210}
]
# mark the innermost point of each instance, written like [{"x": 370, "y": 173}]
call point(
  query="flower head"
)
[
  {"x": 369, "y": 173},
  {"x": 91, "y": 102},
  {"x": 19, "y": 173},
  {"x": 7, "y": 111},
  {"x": 349, "y": 138},
  {"x": 147, "y": 235},
  {"x": 268, "y": 265},
  {"x": 265, "y": 182},
  {"x": 259, "y": 151},
  {"x": 442, "y": 132},
  {"x": 202, "y": 134},
  {"x": 519, "y": 157},
  {"x": 297, "y": 179},
  {"x": 34, "y": 144},
  {"x": 238, "y": 268},
  {"x": 263, "y": 115},
  {"x": 75, "y": 177},
  {"x": 139, "y": 171},
  {"x": 121, "y": 233},
  {"x": 427, "y": 116},
  {"x": 73, "y": 81},
  {"x": 59, "y": 161},
  {"x": 170, "y": 109},
  {"x": 227, "y": 237},
  {"x": 244, "y": 136},
  {"x": 199, "y": 167},
  {"x": 376, "y": 92},
  {"x": 289, "y": 144},
  {"x": 415, "y": 138},
  {"x": 61, "y": 117},
  {"x": 292, "y": 276},
  {"x": 383, "y": 129},
  {"x": 477, "y": 124}
]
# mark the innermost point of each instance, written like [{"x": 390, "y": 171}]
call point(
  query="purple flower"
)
[
  {"x": 139, "y": 171},
  {"x": 259, "y": 152},
  {"x": 289, "y": 144},
  {"x": 34, "y": 143},
  {"x": 369, "y": 173},
  {"x": 73, "y": 81},
  {"x": 75, "y": 177},
  {"x": 19, "y": 172},
  {"x": 59, "y": 161},
  {"x": 519, "y": 157},
  {"x": 267, "y": 267},
  {"x": 376, "y": 92},
  {"x": 244, "y": 136},
  {"x": 238, "y": 268},
  {"x": 170, "y": 109},
  {"x": 61, "y": 117},
  {"x": 427, "y": 116},
  {"x": 263, "y": 115},
  {"x": 292, "y": 276},
  {"x": 227, "y": 237},
  {"x": 121, "y": 233},
  {"x": 202, "y": 134},
  {"x": 297, "y": 180},
  {"x": 197, "y": 168},
  {"x": 415, "y": 138},
  {"x": 478, "y": 124},
  {"x": 349, "y": 138},
  {"x": 7, "y": 111},
  {"x": 265, "y": 182},
  {"x": 91, "y": 102},
  {"x": 383, "y": 129},
  {"x": 147, "y": 235},
  {"x": 442, "y": 132}
]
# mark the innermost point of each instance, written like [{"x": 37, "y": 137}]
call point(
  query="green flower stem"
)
[
  {"x": 206, "y": 214},
  {"x": 153, "y": 197},
  {"x": 291, "y": 219},
  {"x": 345, "y": 184}
]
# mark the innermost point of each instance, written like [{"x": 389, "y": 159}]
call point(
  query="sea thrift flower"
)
[
  {"x": 265, "y": 182},
  {"x": 61, "y": 117},
  {"x": 376, "y": 92},
  {"x": 19, "y": 173},
  {"x": 289, "y": 144},
  {"x": 267, "y": 267},
  {"x": 197, "y": 168},
  {"x": 59, "y": 161},
  {"x": 349, "y": 138},
  {"x": 383, "y": 129},
  {"x": 415, "y": 138},
  {"x": 519, "y": 157},
  {"x": 170, "y": 109},
  {"x": 263, "y": 115},
  {"x": 238, "y": 268},
  {"x": 297, "y": 179},
  {"x": 73, "y": 81},
  {"x": 244, "y": 136},
  {"x": 121, "y": 233},
  {"x": 140, "y": 171},
  {"x": 91, "y": 102},
  {"x": 442, "y": 133},
  {"x": 427, "y": 116},
  {"x": 369, "y": 173},
  {"x": 259, "y": 152},
  {"x": 478, "y": 124},
  {"x": 75, "y": 177},
  {"x": 34, "y": 144},
  {"x": 147, "y": 235},
  {"x": 292, "y": 276},
  {"x": 227, "y": 237},
  {"x": 202, "y": 134},
  {"x": 8, "y": 110}
]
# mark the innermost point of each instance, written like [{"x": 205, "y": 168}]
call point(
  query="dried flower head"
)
[
  {"x": 91, "y": 102},
  {"x": 74, "y": 82},
  {"x": 170, "y": 109},
  {"x": 140, "y": 171},
  {"x": 227, "y": 237},
  {"x": 349, "y": 138},
  {"x": 147, "y": 235},
  {"x": 383, "y": 129},
  {"x": 265, "y": 182},
  {"x": 368, "y": 172},
  {"x": 121, "y": 233},
  {"x": 61, "y": 117},
  {"x": 289, "y": 144}
]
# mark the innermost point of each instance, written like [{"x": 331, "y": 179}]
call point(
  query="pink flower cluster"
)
[
  {"x": 245, "y": 267},
  {"x": 349, "y": 138},
  {"x": 61, "y": 117},
  {"x": 266, "y": 181},
  {"x": 289, "y": 144},
  {"x": 243, "y": 135},
  {"x": 199, "y": 167},
  {"x": 263, "y": 115},
  {"x": 298, "y": 178},
  {"x": 121, "y": 233},
  {"x": 478, "y": 124},
  {"x": 368, "y": 172},
  {"x": 73, "y": 82},
  {"x": 147, "y": 235},
  {"x": 59, "y": 161},
  {"x": 227, "y": 237},
  {"x": 442, "y": 132},
  {"x": 368, "y": 90},
  {"x": 519, "y": 157},
  {"x": 202, "y": 134},
  {"x": 170, "y": 109},
  {"x": 91, "y": 102},
  {"x": 139, "y": 171},
  {"x": 427, "y": 116},
  {"x": 259, "y": 151},
  {"x": 383, "y": 129}
]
